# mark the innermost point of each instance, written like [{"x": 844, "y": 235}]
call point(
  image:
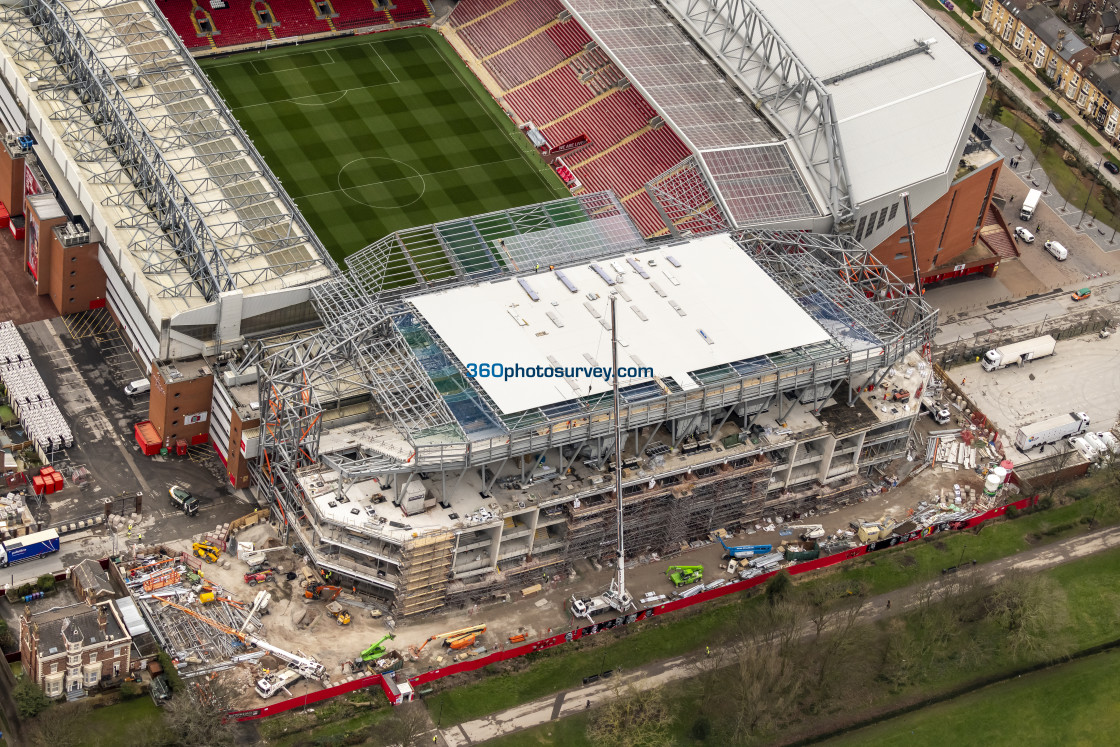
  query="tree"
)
[
  {"x": 45, "y": 582},
  {"x": 777, "y": 587},
  {"x": 1024, "y": 605},
  {"x": 7, "y": 640},
  {"x": 197, "y": 716},
  {"x": 1049, "y": 137},
  {"x": 632, "y": 718},
  {"x": 174, "y": 681},
  {"x": 995, "y": 110},
  {"x": 62, "y": 727},
  {"x": 407, "y": 724},
  {"x": 30, "y": 698}
]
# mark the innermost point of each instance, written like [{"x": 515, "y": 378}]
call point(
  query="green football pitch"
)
[{"x": 373, "y": 134}]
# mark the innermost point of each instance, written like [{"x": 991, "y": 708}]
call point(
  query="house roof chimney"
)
[{"x": 101, "y": 619}]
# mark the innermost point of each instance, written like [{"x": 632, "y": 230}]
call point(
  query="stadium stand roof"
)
[
  {"x": 679, "y": 309},
  {"x": 166, "y": 172},
  {"x": 747, "y": 160}
]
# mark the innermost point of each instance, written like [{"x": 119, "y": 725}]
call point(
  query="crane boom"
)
[{"x": 306, "y": 666}]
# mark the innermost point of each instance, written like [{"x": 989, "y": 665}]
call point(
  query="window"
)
[
  {"x": 177, "y": 393},
  {"x": 900, "y": 255},
  {"x": 92, "y": 657},
  {"x": 1052, "y": 68},
  {"x": 870, "y": 224},
  {"x": 987, "y": 11},
  {"x": 73, "y": 259},
  {"x": 859, "y": 229},
  {"x": 1020, "y": 37},
  {"x": 116, "y": 668},
  {"x": 1040, "y": 56},
  {"x": 1110, "y": 128},
  {"x": 1007, "y": 29},
  {"x": 882, "y": 219},
  {"x": 174, "y": 422},
  {"x": 54, "y": 667},
  {"x": 894, "y": 211},
  {"x": 71, "y": 286}
]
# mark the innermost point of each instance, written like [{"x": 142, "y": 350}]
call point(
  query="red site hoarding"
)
[{"x": 577, "y": 633}]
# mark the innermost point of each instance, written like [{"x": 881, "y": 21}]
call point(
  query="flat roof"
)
[
  {"x": 700, "y": 304},
  {"x": 922, "y": 105}
]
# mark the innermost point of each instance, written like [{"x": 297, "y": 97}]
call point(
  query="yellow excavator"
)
[{"x": 206, "y": 551}]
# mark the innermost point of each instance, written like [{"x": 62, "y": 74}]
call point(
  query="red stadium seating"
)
[
  {"x": 508, "y": 25},
  {"x": 468, "y": 10},
  {"x": 642, "y": 211},
  {"x": 297, "y": 17},
  {"x": 569, "y": 36},
  {"x": 356, "y": 14},
  {"x": 179, "y": 14},
  {"x": 606, "y": 122},
  {"x": 549, "y": 98},
  {"x": 527, "y": 60},
  {"x": 410, "y": 10}
]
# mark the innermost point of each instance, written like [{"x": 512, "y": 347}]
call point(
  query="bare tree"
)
[
  {"x": 198, "y": 714},
  {"x": 632, "y": 718},
  {"x": 1025, "y": 605},
  {"x": 404, "y": 727},
  {"x": 61, "y": 726}
]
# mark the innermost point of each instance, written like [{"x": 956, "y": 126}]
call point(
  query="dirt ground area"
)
[{"x": 536, "y": 615}]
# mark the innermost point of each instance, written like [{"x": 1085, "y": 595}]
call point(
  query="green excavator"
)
[{"x": 368, "y": 659}]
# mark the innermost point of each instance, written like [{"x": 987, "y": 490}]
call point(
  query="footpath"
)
[{"x": 659, "y": 673}]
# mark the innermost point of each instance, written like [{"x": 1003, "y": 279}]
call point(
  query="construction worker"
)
[{"x": 707, "y": 651}]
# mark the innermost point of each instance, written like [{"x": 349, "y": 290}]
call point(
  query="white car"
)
[
  {"x": 1060, "y": 252},
  {"x": 1024, "y": 234}
]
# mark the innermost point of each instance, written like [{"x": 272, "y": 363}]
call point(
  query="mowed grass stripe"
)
[{"x": 372, "y": 136}]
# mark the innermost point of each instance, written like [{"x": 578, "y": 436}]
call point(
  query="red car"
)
[
  {"x": 1081, "y": 295},
  {"x": 258, "y": 578}
]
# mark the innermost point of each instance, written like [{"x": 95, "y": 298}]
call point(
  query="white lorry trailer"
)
[
  {"x": 1051, "y": 430},
  {"x": 1030, "y": 204},
  {"x": 1018, "y": 353}
]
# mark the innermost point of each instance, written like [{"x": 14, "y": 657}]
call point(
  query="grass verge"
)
[
  {"x": 1025, "y": 80},
  {"x": 1085, "y": 134}
]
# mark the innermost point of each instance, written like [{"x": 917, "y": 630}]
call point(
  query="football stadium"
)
[{"x": 313, "y": 221}]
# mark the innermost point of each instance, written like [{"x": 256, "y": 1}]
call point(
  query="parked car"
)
[
  {"x": 1111, "y": 168},
  {"x": 1054, "y": 116},
  {"x": 995, "y": 60},
  {"x": 1024, "y": 235},
  {"x": 980, "y": 47},
  {"x": 1060, "y": 252},
  {"x": 1081, "y": 295},
  {"x": 948, "y": 5}
]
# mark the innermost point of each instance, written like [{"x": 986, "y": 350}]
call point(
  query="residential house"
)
[
  {"x": 1102, "y": 97},
  {"x": 1101, "y": 28},
  {"x": 1076, "y": 11},
  {"x": 1032, "y": 32},
  {"x": 69, "y": 650},
  {"x": 91, "y": 583}
]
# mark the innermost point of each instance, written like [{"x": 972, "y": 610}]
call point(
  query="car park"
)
[
  {"x": 1081, "y": 295},
  {"x": 1111, "y": 168},
  {"x": 1024, "y": 235},
  {"x": 1054, "y": 116},
  {"x": 1060, "y": 252},
  {"x": 980, "y": 47}
]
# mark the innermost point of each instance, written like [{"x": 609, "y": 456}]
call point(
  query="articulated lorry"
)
[
  {"x": 28, "y": 547},
  {"x": 1030, "y": 204},
  {"x": 1018, "y": 353},
  {"x": 1051, "y": 430}
]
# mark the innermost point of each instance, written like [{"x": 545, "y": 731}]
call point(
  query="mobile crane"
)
[
  {"x": 681, "y": 575},
  {"x": 376, "y": 656},
  {"x": 455, "y": 639}
]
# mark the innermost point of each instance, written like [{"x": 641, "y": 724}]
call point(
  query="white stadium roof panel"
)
[
  {"x": 718, "y": 287},
  {"x": 921, "y": 105}
]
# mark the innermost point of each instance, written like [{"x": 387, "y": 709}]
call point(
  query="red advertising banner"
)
[
  {"x": 30, "y": 183},
  {"x": 577, "y": 142}
]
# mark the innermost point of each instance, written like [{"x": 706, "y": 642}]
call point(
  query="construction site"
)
[{"x": 421, "y": 486}]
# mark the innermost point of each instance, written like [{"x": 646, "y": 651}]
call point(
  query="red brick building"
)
[{"x": 70, "y": 650}]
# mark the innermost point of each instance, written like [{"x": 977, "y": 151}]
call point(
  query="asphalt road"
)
[{"x": 659, "y": 673}]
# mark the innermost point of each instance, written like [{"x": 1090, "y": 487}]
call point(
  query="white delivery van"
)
[
  {"x": 1060, "y": 252},
  {"x": 140, "y": 386}
]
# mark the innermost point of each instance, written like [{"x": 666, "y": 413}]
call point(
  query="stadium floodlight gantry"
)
[
  {"x": 379, "y": 404},
  {"x": 187, "y": 212}
]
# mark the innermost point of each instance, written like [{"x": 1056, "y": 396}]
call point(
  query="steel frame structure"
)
[
  {"x": 366, "y": 351},
  {"x": 204, "y": 214},
  {"x": 738, "y": 37}
]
